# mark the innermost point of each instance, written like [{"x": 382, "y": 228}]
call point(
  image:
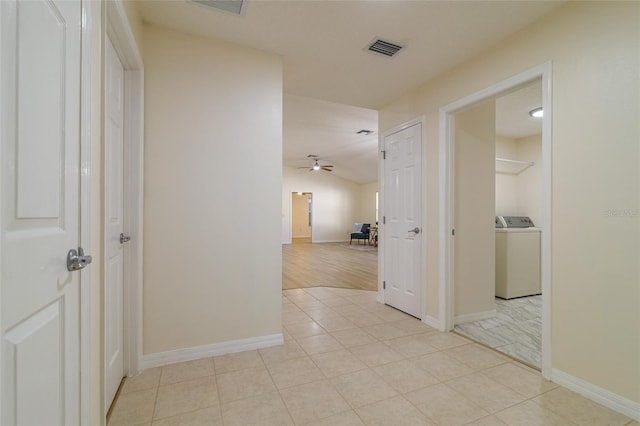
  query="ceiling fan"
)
[{"x": 316, "y": 165}]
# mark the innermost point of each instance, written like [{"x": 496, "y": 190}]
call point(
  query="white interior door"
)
[
  {"x": 403, "y": 219},
  {"x": 40, "y": 165},
  {"x": 114, "y": 222}
]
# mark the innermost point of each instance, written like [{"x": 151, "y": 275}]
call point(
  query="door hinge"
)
[
  {"x": 384, "y": 220},
  {"x": 384, "y": 285},
  {"x": 453, "y": 232},
  {"x": 384, "y": 154}
]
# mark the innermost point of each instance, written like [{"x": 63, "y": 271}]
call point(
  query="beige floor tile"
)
[
  {"x": 336, "y": 323},
  {"x": 395, "y": 411},
  {"x": 352, "y": 310},
  {"x": 446, "y": 340},
  {"x": 313, "y": 401},
  {"x": 305, "y": 329},
  {"x": 244, "y": 383},
  {"x": 294, "y": 318},
  {"x": 334, "y": 301},
  {"x": 318, "y": 344},
  {"x": 184, "y": 371},
  {"x": 289, "y": 350},
  {"x": 529, "y": 413},
  {"x": 411, "y": 346},
  {"x": 338, "y": 362},
  {"x": 133, "y": 408},
  {"x": 385, "y": 331},
  {"x": 444, "y": 405},
  {"x": 579, "y": 409},
  {"x": 365, "y": 319},
  {"x": 413, "y": 325},
  {"x": 323, "y": 312},
  {"x": 354, "y": 337},
  {"x": 265, "y": 409},
  {"x": 390, "y": 314},
  {"x": 184, "y": 397},
  {"x": 523, "y": 380},
  {"x": 205, "y": 417},
  {"x": 477, "y": 357},
  {"x": 404, "y": 376},
  {"x": 362, "y": 387},
  {"x": 294, "y": 372},
  {"x": 488, "y": 421},
  {"x": 486, "y": 393},
  {"x": 442, "y": 366},
  {"x": 375, "y": 354},
  {"x": 348, "y": 418},
  {"x": 148, "y": 379},
  {"x": 237, "y": 361}
]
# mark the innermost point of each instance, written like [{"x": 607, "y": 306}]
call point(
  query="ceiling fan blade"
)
[{"x": 326, "y": 169}]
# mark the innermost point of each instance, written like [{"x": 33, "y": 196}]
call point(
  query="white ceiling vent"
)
[
  {"x": 384, "y": 47},
  {"x": 231, "y": 6}
]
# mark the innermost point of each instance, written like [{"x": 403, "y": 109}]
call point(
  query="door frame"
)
[
  {"x": 446, "y": 179},
  {"x": 291, "y": 214},
  {"x": 382, "y": 213},
  {"x": 118, "y": 30}
]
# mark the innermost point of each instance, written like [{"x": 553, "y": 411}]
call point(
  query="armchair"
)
[{"x": 362, "y": 235}]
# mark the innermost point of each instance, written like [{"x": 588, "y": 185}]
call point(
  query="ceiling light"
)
[
  {"x": 364, "y": 132},
  {"x": 316, "y": 166},
  {"x": 536, "y": 112}
]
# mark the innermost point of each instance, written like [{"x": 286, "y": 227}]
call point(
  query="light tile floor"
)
[
  {"x": 348, "y": 360},
  {"x": 516, "y": 329}
]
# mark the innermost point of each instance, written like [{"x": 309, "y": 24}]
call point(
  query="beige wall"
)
[
  {"x": 475, "y": 148},
  {"x": 336, "y": 203},
  {"x": 212, "y": 260},
  {"x": 595, "y": 51},
  {"x": 300, "y": 215},
  {"x": 519, "y": 188}
]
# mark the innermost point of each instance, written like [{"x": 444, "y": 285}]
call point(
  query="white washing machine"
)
[{"x": 517, "y": 257}]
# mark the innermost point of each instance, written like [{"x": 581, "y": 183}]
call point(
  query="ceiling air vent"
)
[
  {"x": 231, "y": 6},
  {"x": 384, "y": 47}
]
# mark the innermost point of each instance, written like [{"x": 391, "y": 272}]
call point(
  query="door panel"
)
[
  {"x": 402, "y": 174},
  {"x": 40, "y": 163},
  {"x": 114, "y": 177}
]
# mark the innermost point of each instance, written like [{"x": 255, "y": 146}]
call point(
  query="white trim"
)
[
  {"x": 85, "y": 213},
  {"x": 595, "y": 393},
  {"x": 433, "y": 322},
  {"x": 119, "y": 31},
  {"x": 171, "y": 357},
  {"x": 476, "y": 316},
  {"x": 422, "y": 120},
  {"x": 446, "y": 175}
]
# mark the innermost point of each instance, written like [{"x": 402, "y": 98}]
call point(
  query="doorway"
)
[
  {"x": 468, "y": 144},
  {"x": 301, "y": 217}
]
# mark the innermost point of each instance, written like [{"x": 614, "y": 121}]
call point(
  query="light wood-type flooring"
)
[{"x": 329, "y": 265}]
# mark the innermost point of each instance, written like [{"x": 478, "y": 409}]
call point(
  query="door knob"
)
[
  {"x": 415, "y": 230},
  {"x": 124, "y": 238},
  {"x": 77, "y": 260}
]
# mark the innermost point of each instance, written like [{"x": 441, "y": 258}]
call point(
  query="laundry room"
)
[{"x": 516, "y": 327}]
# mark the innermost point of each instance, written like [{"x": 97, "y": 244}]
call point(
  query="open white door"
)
[
  {"x": 403, "y": 219},
  {"x": 114, "y": 223},
  {"x": 40, "y": 166}
]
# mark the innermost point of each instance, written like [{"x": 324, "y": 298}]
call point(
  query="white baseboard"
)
[
  {"x": 476, "y": 316},
  {"x": 432, "y": 322},
  {"x": 602, "y": 396},
  {"x": 171, "y": 357},
  {"x": 380, "y": 297}
]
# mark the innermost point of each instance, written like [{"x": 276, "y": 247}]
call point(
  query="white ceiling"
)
[
  {"x": 512, "y": 112},
  {"x": 323, "y": 46}
]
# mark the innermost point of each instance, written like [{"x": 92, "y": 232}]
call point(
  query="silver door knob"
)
[
  {"x": 415, "y": 230},
  {"x": 77, "y": 260},
  {"x": 124, "y": 238}
]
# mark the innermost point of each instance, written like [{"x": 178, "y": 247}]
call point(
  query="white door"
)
[
  {"x": 403, "y": 219},
  {"x": 40, "y": 165},
  {"x": 114, "y": 223}
]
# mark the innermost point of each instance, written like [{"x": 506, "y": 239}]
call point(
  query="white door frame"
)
[
  {"x": 381, "y": 212},
  {"x": 446, "y": 178},
  {"x": 121, "y": 35}
]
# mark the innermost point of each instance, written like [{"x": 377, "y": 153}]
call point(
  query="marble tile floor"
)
[
  {"x": 348, "y": 360},
  {"x": 516, "y": 329}
]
